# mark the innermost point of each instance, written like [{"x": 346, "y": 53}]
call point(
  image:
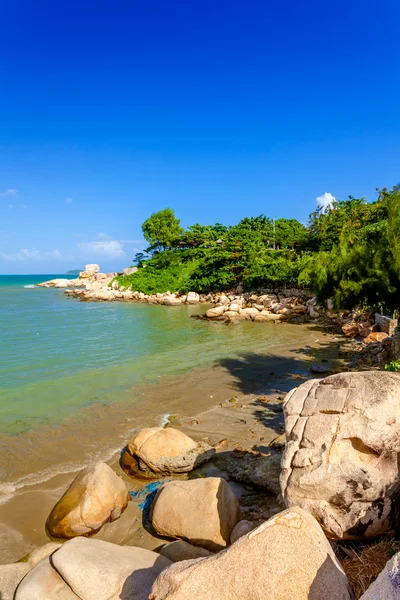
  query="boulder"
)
[
  {"x": 241, "y": 529},
  {"x": 341, "y": 460},
  {"x": 286, "y": 558},
  {"x": 376, "y": 336},
  {"x": 267, "y": 317},
  {"x": 193, "y": 298},
  {"x": 44, "y": 583},
  {"x": 93, "y": 570},
  {"x": 235, "y": 307},
  {"x": 387, "y": 585},
  {"x": 255, "y": 468},
  {"x": 218, "y": 311},
  {"x": 95, "y": 497},
  {"x": 171, "y": 301},
  {"x": 130, "y": 270},
  {"x": 201, "y": 511},
  {"x": 90, "y": 271},
  {"x": 162, "y": 451},
  {"x": 250, "y": 311},
  {"x": 10, "y": 576},
  {"x": 181, "y": 550}
]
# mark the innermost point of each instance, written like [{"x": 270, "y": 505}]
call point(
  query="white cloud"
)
[
  {"x": 31, "y": 254},
  {"x": 325, "y": 200},
  {"x": 8, "y": 193},
  {"x": 68, "y": 200},
  {"x": 106, "y": 248}
]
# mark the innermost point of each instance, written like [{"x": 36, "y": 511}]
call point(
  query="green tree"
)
[
  {"x": 289, "y": 234},
  {"x": 162, "y": 229}
]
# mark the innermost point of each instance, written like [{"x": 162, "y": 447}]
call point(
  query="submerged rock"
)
[
  {"x": 158, "y": 451},
  {"x": 341, "y": 461},
  {"x": 286, "y": 558},
  {"x": 201, "y": 511},
  {"x": 95, "y": 497}
]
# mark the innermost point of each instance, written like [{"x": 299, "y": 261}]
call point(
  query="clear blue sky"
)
[{"x": 217, "y": 109}]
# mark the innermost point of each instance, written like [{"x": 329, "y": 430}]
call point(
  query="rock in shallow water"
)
[
  {"x": 95, "y": 497},
  {"x": 286, "y": 558},
  {"x": 341, "y": 457},
  {"x": 201, "y": 511}
]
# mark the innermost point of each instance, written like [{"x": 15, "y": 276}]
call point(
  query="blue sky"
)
[{"x": 110, "y": 111}]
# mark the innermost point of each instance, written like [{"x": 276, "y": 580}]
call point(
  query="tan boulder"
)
[
  {"x": 286, "y": 558},
  {"x": 267, "y": 317},
  {"x": 250, "y": 311},
  {"x": 44, "y": 583},
  {"x": 96, "y": 496},
  {"x": 376, "y": 336},
  {"x": 218, "y": 311},
  {"x": 88, "y": 569},
  {"x": 181, "y": 550},
  {"x": 90, "y": 271},
  {"x": 159, "y": 450},
  {"x": 172, "y": 301},
  {"x": 193, "y": 298},
  {"x": 387, "y": 584},
  {"x": 341, "y": 460},
  {"x": 201, "y": 511}
]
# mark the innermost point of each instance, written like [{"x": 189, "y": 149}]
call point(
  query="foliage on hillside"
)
[{"x": 349, "y": 252}]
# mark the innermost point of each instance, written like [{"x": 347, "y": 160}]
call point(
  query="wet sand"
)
[{"x": 228, "y": 401}]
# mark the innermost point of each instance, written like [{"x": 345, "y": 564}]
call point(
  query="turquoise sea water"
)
[{"x": 58, "y": 354}]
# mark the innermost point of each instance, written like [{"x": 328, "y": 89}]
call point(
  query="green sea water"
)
[{"x": 58, "y": 354}]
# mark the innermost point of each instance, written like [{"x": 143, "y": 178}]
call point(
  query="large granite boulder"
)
[
  {"x": 387, "y": 585},
  {"x": 130, "y": 270},
  {"x": 87, "y": 569},
  {"x": 12, "y": 574},
  {"x": 95, "y": 497},
  {"x": 160, "y": 451},
  {"x": 90, "y": 271},
  {"x": 286, "y": 558},
  {"x": 201, "y": 511},
  {"x": 341, "y": 461}
]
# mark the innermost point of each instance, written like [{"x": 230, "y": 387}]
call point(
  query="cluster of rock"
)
[
  {"x": 91, "y": 276},
  {"x": 264, "y": 308},
  {"x": 339, "y": 480}
]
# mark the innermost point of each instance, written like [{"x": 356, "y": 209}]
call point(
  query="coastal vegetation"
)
[{"x": 349, "y": 251}]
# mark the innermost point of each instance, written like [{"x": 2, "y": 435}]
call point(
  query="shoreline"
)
[{"x": 193, "y": 396}]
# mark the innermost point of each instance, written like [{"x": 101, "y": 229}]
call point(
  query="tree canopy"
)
[{"x": 349, "y": 252}]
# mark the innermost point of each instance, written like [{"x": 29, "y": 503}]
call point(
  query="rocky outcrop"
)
[
  {"x": 342, "y": 453},
  {"x": 86, "y": 569},
  {"x": 95, "y": 497},
  {"x": 201, "y": 511},
  {"x": 90, "y": 271},
  {"x": 387, "y": 585},
  {"x": 130, "y": 270},
  {"x": 286, "y": 558},
  {"x": 163, "y": 451}
]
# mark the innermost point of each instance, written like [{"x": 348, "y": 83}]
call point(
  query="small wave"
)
[
  {"x": 29, "y": 287},
  {"x": 164, "y": 420},
  {"x": 8, "y": 489}
]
